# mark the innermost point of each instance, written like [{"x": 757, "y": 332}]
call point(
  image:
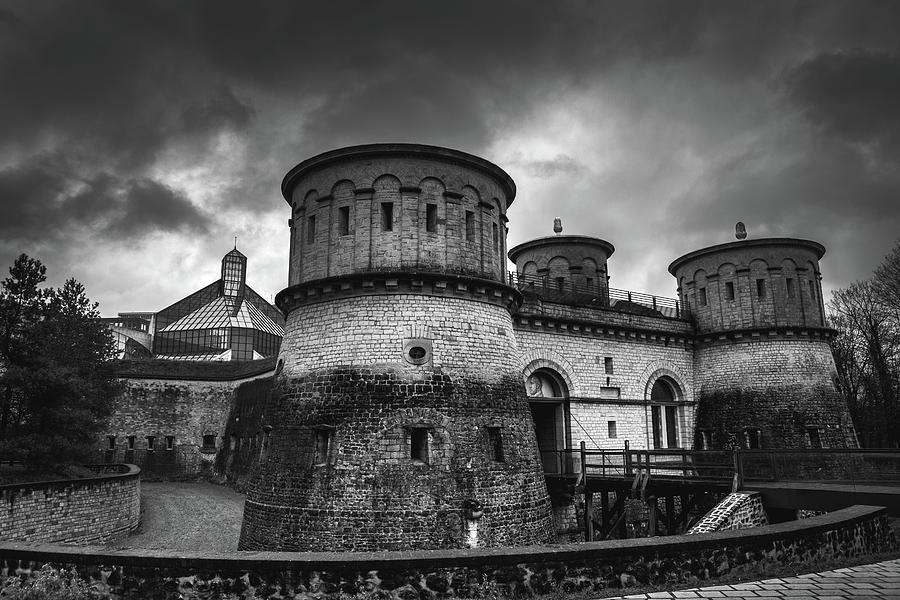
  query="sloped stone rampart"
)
[
  {"x": 90, "y": 510},
  {"x": 740, "y": 510},
  {"x": 851, "y": 532}
]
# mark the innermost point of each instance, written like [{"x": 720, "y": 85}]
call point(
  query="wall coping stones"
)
[
  {"x": 561, "y": 240},
  {"x": 422, "y": 559},
  {"x": 815, "y": 247},
  {"x": 199, "y": 370},
  {"x": 119, "y": 471}
]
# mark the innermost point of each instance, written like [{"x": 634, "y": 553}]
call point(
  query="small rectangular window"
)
[
  {"x": 387, "y": 216},
  {"x": 170, "y": 442},
  {"x": 131, "y": 442},
  {"x": 496, "y": 237},
  {"x": 611, "y": 429},
  {"x": 470, "y": 226},
  {"x": 812, "y": 289},
  {"x": 753, "y": 439},
  {"x": 560, "y": 283},
  {"x": 589, "y": 282},
  {"x": 323, "y": 446},
  {"x": 151, "y": 443},
  {"x": 495, "y": 444},
  {"x": 418, "y": 444},
  {"x": 729, "y": 290},
  {"x": 608, "y": 365},
  {"x": 789, "y": 286},
  {"x": 702, "y": 296},
  {"x": 344, "y": 220},
  {"x": 431, "y": 218},
  {"x": 111, "y": 442},
  {"x": 311, "y": 229},
  {"x": 815, "y": 439},
  {"x": 209, "y": 442},
  {"x": 760, "y": 288}
]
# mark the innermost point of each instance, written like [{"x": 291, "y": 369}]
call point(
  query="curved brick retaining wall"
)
[
  {"x": 847, "y": 533},
  {"x": 88, "y": 510}
]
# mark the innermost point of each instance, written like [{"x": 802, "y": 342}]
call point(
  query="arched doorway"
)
[
  {"x": 665, "y": 413},
  {"x": 548, "y": 398}
]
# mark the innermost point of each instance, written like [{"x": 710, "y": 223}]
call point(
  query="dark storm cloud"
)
[
  {"x": 855, "y": 94},
  {"x": 45, "y": 198}
]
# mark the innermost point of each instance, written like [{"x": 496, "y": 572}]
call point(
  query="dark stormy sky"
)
[{"x": 137, "y": 138}]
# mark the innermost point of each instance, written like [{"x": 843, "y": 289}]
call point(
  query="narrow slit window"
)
[
  {"x": 560, "y": 283},
  {"x": 418, "y": 444},
  {"x": 111, "y": 442},
  {"x": 815, "y": 438},
  {"x": 729, "y": 290},
  {"x": 589, "y": 282},
  {"x": 702, "y": 296},
  {"x": 470, "y": 226},
  {"x": 131, "y": 442},
  {"x": 761, "y": 288},
  {"x": 608, "y": 365},
  {"x": 789, "y": 286},
  {"x": 431, "y": 218},
  {"x": 170, "y": 442},
  {"x": 311, "y": 229},
  {"x": 753, "y": 439},
  {"x": 812, "y": 289},
  {"x": 611, "y": 430},
  {"x": 496, "y": 237},
  {"x": 387, "y": 216},
  {"x": 495, "y": 444},
  {"x": 344, "y": 220},
  {"x": 151, "y": 443},
  {"x": 323, "y": 446}
]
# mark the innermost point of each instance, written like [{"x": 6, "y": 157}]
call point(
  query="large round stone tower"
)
[
  {"x": 763, "y": 365},
  {"x": 398, "y": 418}
]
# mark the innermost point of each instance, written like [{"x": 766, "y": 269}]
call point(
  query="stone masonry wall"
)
[
  {"x": 341, "y": 471},
  {"x": 739, "y": 510},
  {"x": 780, "y": 387},
  {"x": 92, "y": 510},
  {"x": 580, "y": 360},
  {"x": 177, "y": 414},
  {"x": 510, "y": 572}
]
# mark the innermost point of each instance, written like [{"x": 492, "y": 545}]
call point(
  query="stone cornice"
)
[
  {"x": 563, "y": 326},
  {"x": 759, "y": 334},
  {"x": 389, "y": 283}
]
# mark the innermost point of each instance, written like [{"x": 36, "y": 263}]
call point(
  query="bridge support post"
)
[
  {"x": 670, "y": 515},
  {"x": 588, "y": 516},
  {"x": 604, "y": 511},
  {"x": 652, "y": 502}
]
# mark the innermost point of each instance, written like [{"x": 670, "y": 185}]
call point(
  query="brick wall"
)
[
  {"x": 91, "y": 510},
  {"x": 340, "y": 471}
]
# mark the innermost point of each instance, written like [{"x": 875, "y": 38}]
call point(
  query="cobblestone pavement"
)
[
  {"x": 864, "y": 582},
  {"x": 187, "y": 516}
]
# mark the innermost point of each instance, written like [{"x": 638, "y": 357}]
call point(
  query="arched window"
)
[{"x": 665, "y": 413}]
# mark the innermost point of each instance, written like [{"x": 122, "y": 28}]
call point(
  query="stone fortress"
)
[{"x": 421, "y": 391}]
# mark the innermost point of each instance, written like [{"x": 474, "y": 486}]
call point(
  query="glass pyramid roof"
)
[{"x": 221, "y": 312}]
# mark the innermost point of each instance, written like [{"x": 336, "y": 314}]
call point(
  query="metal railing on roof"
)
[{"x": 566, "y": 291}]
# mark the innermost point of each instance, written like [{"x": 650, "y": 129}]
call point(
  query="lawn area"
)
[{"x": 187, "y": 516}]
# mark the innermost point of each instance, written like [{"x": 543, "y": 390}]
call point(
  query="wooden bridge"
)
[{"x": 788, "y": 480}]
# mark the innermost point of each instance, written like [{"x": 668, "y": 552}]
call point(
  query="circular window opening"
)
[{"x": 417, "y": 353}]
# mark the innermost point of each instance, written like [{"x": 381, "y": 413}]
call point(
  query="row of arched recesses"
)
[{"x": 549, "y": 402}]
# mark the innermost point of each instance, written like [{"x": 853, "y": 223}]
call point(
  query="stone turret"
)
[
  {"x": 763, "y": 364},
  {"x": 398, "y": 418}
]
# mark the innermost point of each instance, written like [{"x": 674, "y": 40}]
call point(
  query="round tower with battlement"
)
[
  {"x": 763, "y": 364},
  {"x": 398, "y": 417}
]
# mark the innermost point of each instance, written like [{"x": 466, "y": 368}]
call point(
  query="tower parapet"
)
[{"x": 399, "y": 416}]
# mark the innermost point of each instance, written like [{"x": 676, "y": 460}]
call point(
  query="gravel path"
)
[{"x": 188, "y": 516}]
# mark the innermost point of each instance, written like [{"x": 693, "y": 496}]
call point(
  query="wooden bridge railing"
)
[{"x": 857, "y": 466}]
